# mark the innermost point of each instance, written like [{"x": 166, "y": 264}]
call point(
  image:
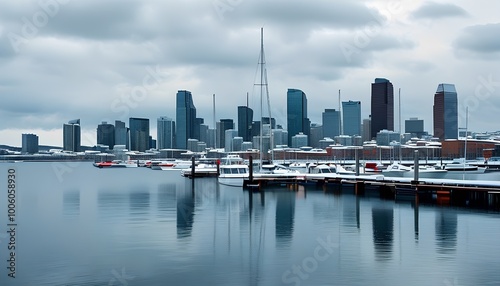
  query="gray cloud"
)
[
  {"x": 433, "y": 10},
  {"x": 479, "y": 41}
]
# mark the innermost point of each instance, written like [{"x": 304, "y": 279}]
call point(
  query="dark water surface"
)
[{"x": 79, "y": 225}]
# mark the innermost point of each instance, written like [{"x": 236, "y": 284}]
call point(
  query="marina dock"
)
[{"x": 473, "y": 193}]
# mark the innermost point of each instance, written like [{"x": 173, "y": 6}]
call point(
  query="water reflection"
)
[
  {"x": 166, "y": 200},
  {"x": 71, "y": 203},
  {"x": 383, "y": 231},
  {"x": 185, "y": 211},
  {"x": 446, "y": 231},
  {"x": 111, "y": 204},
  {"x": 139, "y": 205},
  {"x": 285, "y": 214}
]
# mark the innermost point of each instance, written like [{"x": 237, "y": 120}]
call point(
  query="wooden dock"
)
[{"x": 456, "y": 192}]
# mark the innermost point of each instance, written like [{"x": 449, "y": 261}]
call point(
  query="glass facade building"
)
[
  {"x": 297, "y": 120},
  {"x": 106, "y": 134},
  {"x": 165, "y": 130},
  {"x": 382, "y": 106},
  {"x": 351, "y": 116},
  {"x": 139, "y": 134},
  {"x": 445, "y": 111},
  {"x": 245, "y": 118},
  {"x": 72, "y": 136},
  {"x": 331, "y": 123},
  {"x": 185, "y": 120}
]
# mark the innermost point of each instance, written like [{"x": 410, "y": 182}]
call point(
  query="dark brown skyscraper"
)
[
  {"x": 445, "y": 111},
  {"x": 382, "y": 108}
]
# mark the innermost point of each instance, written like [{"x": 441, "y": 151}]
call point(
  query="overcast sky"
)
[{"x": 106, "y": 60}]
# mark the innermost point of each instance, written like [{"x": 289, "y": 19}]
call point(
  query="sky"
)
[{"x": 111, "y": 60}]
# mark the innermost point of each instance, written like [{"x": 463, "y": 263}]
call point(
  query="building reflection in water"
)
[
  {"x": 139, "y": 205},
  {"x": 446, "y": 231},
  {"x": 185, "y": 210},
  {"x": 285, "y": 214},
  {"x": 166, "y": 200},
  {"x": 383, "y": 231},
  {"x": 71, "y": 203}
]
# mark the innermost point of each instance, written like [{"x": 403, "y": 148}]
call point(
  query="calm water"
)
[{"x": 79, "y": 225}]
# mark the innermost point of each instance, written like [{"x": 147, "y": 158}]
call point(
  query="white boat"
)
[
  {"x": 233, "y": 174},
  {"x": 459, "y": 165},
  {"x": 200, "y": 170},
  {"x": 328, "y": 169},
  {"x": 398, "y": 170}
]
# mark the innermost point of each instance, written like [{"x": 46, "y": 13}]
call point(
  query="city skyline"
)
[{"x": 123, "y": 65}]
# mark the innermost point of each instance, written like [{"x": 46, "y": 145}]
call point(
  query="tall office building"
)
[
  {"x": 351, "y": 116},
  {"x": 198, "y": 122},
  {"x": 222, "y": 126},
  {"x": 72, "y": 136},
  {"x": 139, "y": 134},
  {"x": 185, "y": 120},
  {"x": 106, "y": 134},
  {"x": 331, "y": 123},
  {"x": 382, "y": 106},
  {"x": 446, "y": 112},
  {"x": 316, "y": 135},
  {"x": 297, "y": 120},
  {"x": 30, "y": 144},
  {"x": 165, "y": 132},
  {"x": 367, "y": 132},
  {"x": 415, "y": 127},
  {"x": 121, "y": 134},
  {"x": 245, "y": 118}
]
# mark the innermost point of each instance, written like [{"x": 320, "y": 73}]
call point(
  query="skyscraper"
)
[
  {"x": 351, "y": 117},
  {"x": 165, "y": 130},
  {"x": 30, "y": 143},
  {"x": 446, "y": 112},
  {"x": 106, "y": 134},
  {"x": 72, "y": 136},
  {"x": 222, "y": 126},
  {"x": 139, "y": 134},
  {"x": 121, "y": 134},
  {"x": 245, "y": 118},
  {"x": 331, "y": 123},
  {"x": 382, "y": 106},
  {"x": 297, "y": 120},
  {"x": 185, "y": 118},
  {"x": 415, "y": 127}
]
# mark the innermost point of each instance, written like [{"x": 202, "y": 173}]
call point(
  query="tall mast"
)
[
  {"x": 400, "y": 133},
  {"x": 215, "y": 124},
  {"x": 340, "y": 118},
  {"x": 261, "y": 90}
]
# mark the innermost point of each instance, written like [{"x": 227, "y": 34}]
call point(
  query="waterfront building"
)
[
  {"x": 229, "y": 134},
  {"x": 165, "y": 132},
  {"x": 415, "y": 127},
  {"x": 121, "y": 134},
  {"x": 139, "y": 134},
  {"x": 29, "y": 144},
  {"x": 72, "y": 136},
  {"x": 445, "y": 111},
  {"x": 316, "y": 135},
  {"x": 299, "y": 140},
  {"x": 351, "y": 117},
  {"x": 382, "y": 106},
  {"x": 222, "y": 126},
  {"x": 331, "y": 123},
  {"x": 245, "y": 118},
  {"x": 297, "y": 120},
  {"x": 366, "y": 130},
  {"x": 185, "y": 119},
  {"x": 106, "y": 134},
  {"x": 385, "y": 137}
]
